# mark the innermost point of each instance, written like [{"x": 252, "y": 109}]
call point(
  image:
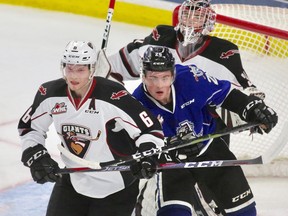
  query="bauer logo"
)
[{"x": 59, "y": 108}]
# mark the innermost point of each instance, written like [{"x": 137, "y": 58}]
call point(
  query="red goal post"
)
[{"x": 261, "y": 33}]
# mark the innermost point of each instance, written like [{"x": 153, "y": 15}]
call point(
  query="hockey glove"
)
[
  {"x": 42, "y": 166},
  {"x": 257, "y": 111},
  {"x": 188, "y": 153},
  {"x": 146, "y": 167}
]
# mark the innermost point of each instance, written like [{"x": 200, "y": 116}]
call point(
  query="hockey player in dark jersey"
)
[
  {"x": 181, "y": 96},
  {"x": 190, "y": 43},
  {"x": 97, "y": 120}
]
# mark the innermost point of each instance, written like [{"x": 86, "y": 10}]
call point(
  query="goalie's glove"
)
[
  {"x": 146, "y": 167},
  {"x": 256, "y": 111},
  {"x": 42, "y": 166}
]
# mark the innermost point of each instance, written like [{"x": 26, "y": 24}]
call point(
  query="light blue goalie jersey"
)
[{"x": 193, "y": 92}]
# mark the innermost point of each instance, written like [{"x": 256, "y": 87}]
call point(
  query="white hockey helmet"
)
[
  {"x": 80, "y": 53},
  {"x": 196, "y": 18}
]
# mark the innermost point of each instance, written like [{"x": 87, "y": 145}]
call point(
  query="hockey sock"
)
[{"x": 172, "y": 210}]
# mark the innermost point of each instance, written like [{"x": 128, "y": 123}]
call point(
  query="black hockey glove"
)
[
  {"x": 146, "y": 167},
  {"x": 188, "y": 153},
  {"x": 257, "y": 111},
  {"x": 42, "y": 166}
]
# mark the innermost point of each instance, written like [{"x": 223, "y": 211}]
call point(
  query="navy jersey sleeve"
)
[{"x": 194, "y": 81}]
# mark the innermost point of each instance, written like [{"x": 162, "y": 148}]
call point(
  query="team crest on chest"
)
[{"x": 77, "y": 138}]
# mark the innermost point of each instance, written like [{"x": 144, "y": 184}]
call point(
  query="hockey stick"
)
[
  {"x": 153, "y": 151},
  {"x": 267, "y": 157},
  {"x": 186, "y": 165},
  {"x": 108, "y": 24}
]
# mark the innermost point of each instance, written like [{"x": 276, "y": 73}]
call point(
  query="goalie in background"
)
[
  {"x": 97, "y": 120},
  {"x": 182, "y": 95},
  {"x": 190, "y": 43}
]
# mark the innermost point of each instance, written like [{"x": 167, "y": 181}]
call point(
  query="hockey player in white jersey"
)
[
  {"x": 181, "y": 95},
  {"x": 97, "y": 120}
]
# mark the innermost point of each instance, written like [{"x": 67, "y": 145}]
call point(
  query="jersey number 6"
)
[{"x": 146, "y": 119}]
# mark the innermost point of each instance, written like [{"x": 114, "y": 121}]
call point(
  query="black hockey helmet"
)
[{"x": 158, "y": 58}]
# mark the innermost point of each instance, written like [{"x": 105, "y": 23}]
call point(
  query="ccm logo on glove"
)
[
  {"x": 249, "y": 106},
  {"x": 36, "y": 156}
]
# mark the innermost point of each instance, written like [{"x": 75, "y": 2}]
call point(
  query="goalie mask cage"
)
[{"x": 261, "y": 33}]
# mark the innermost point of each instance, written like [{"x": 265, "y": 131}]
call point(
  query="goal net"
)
[{"x": 261, "y": 33}]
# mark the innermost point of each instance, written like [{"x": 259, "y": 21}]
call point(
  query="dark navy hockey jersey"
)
[{"x": 193, "y": 91}]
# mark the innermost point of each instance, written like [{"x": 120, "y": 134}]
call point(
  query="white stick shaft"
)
[{"x": 108, "y": 24}]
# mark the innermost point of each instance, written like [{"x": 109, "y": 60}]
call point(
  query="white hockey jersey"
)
[{"x": 107, "y": 124}]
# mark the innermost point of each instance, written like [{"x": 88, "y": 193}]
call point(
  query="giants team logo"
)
[
  {"x": 229, "y": 53},
  {"x": 42, "y": 90},
  {"x": 118, "y": 95},
  {"x": 77, "y": 139},
  {"x": 155, "y": 34},
  {"x": 59, "y": 108}
]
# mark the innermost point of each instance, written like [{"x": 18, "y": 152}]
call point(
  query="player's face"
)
[
  {"x": 193, "y": 18},
  {"x": 158, "y": 85},
  {"x": 77, "y": 77}
]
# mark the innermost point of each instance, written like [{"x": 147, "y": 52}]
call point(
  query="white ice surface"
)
[{"x": 32, "y": 42}]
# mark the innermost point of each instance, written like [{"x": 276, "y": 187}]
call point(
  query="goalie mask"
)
[
  {"x": 196, "y": 18},
  {"x": 79, "y": 53}
]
